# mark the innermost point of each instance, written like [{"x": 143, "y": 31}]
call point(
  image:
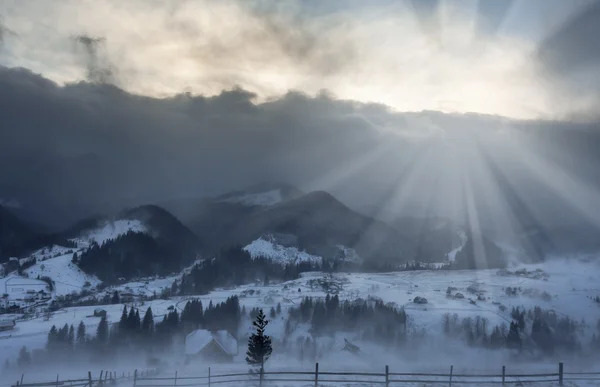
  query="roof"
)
[
  {"x": 7, "y": 323},
  {"x": 200, "y": 338}
]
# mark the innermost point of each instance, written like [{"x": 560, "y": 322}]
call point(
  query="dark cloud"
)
[
  {"x": 99, "y": 68},
  {"x": 87, "y": 147}
]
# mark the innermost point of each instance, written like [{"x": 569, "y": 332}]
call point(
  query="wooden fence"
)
[
  {"x": 317, "y": 377},
  {"x": 106, "y": 378}
]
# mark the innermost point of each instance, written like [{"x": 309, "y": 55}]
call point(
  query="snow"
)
[
  {"x": 569, "y": 282},
  {"x": 48, "y": 252},
  {"x": 463, "y": 239},
  {"x": 111, "y": 230},
  {"x": 67, "y": 276},
  {"x": 262, "y": 247},
  {"x": 200, "y": 338},
  {"x": 16, "y": 287},
  {"x": 264, "y": 199},
  {"x": 227, "y": 342},
  {"x": 195, "y": 341}
]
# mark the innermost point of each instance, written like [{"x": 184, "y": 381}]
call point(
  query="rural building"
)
[
  {"x": 217, "y": 346},
  {"x": 6, "y": 325},
  {"x": 99, "y": 312}
]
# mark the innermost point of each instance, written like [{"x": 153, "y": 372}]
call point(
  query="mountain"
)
[
  {"x": 262, "y": 194},
  {"x": 211, "y": 219},
  {"x": 435, "y": 239},
  {"x": 141, "y": 241},
  {"x": 316, "y": 222},
  {"x": 18, "y": 237},
  {"x": 15, "y": 235}
]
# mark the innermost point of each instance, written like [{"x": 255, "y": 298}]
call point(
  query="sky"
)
[
  {"x": 479, "y": 56},
  {"x": 483, "y": 110}
]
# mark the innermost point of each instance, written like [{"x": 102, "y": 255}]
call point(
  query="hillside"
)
[
  {"x": 140, "y": 241},
  {"x": 19, "y": 238},
  {"x": 320, "y": 221},
  {"x": 556, "y": 285}
]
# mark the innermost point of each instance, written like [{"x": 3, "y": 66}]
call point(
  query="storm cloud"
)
[
  {"x": 409, "y": 55},
  {"x": 84, "y": 148}
]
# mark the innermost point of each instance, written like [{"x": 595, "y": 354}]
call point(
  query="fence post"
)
[
  {"x": 451, "y": 369},
  {"x": 560, "y": 374},
  {"x": 208, "y": 376},
  {"x": 175, "y": 382},
  {"x": 503, "y": 374},
  {"x": 316, "y": 374},
  {"x": 387, "y": 376},
  {"x": 22, "y": 376},
  {"x": 90, "y": 378},
  {"x": 134, "y": 377},
  {"x": 56, "y": 380},
  {"x": 100, "y": 378}
]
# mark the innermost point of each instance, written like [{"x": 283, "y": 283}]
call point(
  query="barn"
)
[{"x": 216, "y": 346}]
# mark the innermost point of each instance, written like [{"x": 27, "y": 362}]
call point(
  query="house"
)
[
  {"x": 349, "y": 347},
  {"x": 6, "y": 325},
  {"x": 216, "y": 346},
  {"x": 99, "y": 312}
]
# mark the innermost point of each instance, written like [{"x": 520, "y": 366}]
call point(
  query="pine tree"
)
[
  {"x": 279, "y": 308},
  {"x": 131, "y": 319},
  {"x": 102, "y": 331},
  {"x": 272, "y": 313},
  {"x": 148, "y": 322},
  {"x": 81, "y": 334},
  {"x": 115, "y": 298},
  {"x": 513, "y": 339},
  {"x": 52, "y": 339},
  {"x": 137, "y": 321},
  {"x": 24, "y": 358},
  {"x": 123, "y": 322},
  {"x": 71, "y": 338},
  {"x": 259, "y": 345}
]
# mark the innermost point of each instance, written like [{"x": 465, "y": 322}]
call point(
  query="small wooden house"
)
[
  {"x": 6, "y": 325},
  {"x": 217, "y": 346},
  {"x": 99, "y": 312}
]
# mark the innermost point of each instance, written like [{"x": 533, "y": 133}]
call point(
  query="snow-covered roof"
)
[
  {"x": 200, "y": 338},
  {"x": 7, "y": 323},
  {"x": 195, "y": 341},
  {"x": 227, "y": 342}
]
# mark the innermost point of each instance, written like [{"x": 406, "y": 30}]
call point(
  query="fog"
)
[{"x": 485, "y": 113}]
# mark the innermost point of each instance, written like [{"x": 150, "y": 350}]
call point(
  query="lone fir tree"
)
[{"x": 259, "y": 345}]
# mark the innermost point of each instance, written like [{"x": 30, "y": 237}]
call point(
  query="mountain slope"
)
[
  {"x": 18, "y": 238},
  {"x": 319, "y": 221},
  {"x": 211, "y": 219},
  {"x": 15, "y": 236},
  {"x": 141, "y": 241}
]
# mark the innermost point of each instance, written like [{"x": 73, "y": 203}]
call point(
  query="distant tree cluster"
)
[
  {"x": 547, "y": 333},
  {"x": 234, "y": 266},
  {"x": 474, "y": 330},
  {"x": 134, "y": 254},
  {"x": 134, "y": 333},
  {"x": 373, "y": 319},
  {"x": 226, "y": 315}
]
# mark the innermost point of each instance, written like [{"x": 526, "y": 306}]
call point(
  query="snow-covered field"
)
[
  {"x": 67, "y": 276},
  {"x": 569, "y": 284}
]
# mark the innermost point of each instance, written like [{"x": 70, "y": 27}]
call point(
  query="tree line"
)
[{"x": 134, "y": 333}]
